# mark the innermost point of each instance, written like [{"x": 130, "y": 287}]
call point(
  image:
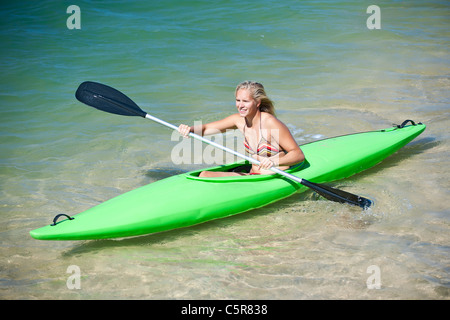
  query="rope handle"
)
[
  {"x": 60, "y": 215},
  {"x": 404, "y": 123}
]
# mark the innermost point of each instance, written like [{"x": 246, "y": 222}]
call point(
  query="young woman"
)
[{"x": 266, "y": 138}]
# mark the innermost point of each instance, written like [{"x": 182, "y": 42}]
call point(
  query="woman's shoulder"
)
[
  {"x": 270, "y": 121},
  {"x": 231, "y": 121},
  {"x": 236, "y": 119}
]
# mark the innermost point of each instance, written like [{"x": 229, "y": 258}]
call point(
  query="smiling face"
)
[{"x": 245, "y": 103}]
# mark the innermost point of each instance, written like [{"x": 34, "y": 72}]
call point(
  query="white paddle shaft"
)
[{"x": 250, "y": 159}]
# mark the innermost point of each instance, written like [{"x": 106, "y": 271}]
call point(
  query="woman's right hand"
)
[{"x": 184, "y": 130}]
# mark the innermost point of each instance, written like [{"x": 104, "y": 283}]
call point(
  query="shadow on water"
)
[
  {"x": 162, "y": 173},
  {"x": 412, "y": 149}
]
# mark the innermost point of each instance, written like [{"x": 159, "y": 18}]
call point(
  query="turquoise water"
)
[{"x": 180, "y": 61}]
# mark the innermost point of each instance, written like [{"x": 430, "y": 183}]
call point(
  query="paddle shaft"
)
[{"x": 196, "y": 136}]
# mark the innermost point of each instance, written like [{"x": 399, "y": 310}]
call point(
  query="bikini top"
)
[{"x": 264, "y": 148}]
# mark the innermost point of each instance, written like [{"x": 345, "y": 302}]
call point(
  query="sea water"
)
[{"x": 332, "y": 68}]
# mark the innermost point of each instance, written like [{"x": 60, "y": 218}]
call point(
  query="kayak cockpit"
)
[{"x": 244, "y": 167}]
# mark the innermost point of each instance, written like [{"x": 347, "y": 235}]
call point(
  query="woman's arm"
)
[
  {"x": 286, "y": 142},
  {"x": 215, "y": 127}
]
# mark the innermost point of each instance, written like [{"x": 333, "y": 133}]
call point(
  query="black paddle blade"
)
[
  {"x": 338, "y": 195},
  {"x": 105, "y": 98}
]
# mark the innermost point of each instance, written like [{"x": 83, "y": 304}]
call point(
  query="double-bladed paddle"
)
[{"x": 105, "y": 98}]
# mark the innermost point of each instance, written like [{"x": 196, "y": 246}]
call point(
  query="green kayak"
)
[{"x": 186, "y": 199}]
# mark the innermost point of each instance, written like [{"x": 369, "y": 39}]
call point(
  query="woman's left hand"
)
[{"x": 265, "y": 163}]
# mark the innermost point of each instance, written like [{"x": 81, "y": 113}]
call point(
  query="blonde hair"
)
[{"x": 258, "y": 93}]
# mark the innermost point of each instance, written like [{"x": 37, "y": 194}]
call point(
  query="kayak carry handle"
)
[
  {"x": 59, "y": 215},
  {"x": 404, "y": 123}
]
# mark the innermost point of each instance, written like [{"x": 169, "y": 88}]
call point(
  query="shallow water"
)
[{"x": 180, "y": 61}]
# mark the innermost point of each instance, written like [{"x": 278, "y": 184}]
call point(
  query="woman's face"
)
[{"x": 245, "y": 103}]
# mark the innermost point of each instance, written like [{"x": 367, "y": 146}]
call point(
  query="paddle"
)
[{"x": 105, "y": 98}]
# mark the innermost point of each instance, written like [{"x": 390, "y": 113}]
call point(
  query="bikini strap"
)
[{"x": 260, "y": 131}]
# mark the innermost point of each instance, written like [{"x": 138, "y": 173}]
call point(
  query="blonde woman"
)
[{"x": 266, "y": 138}]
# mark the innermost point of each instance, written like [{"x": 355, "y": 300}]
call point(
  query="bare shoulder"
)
[
  {"x": 237, "y": 120},
  {"x": 230, "y": 122},
  {"x": 272, "y": 122},
  {"x": 235, "y": 117}
]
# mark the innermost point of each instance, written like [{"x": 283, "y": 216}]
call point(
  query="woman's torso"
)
[{"x": 262, "y": 141}]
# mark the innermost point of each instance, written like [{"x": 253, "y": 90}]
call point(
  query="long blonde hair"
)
[{"x": 258, "y": 93}]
